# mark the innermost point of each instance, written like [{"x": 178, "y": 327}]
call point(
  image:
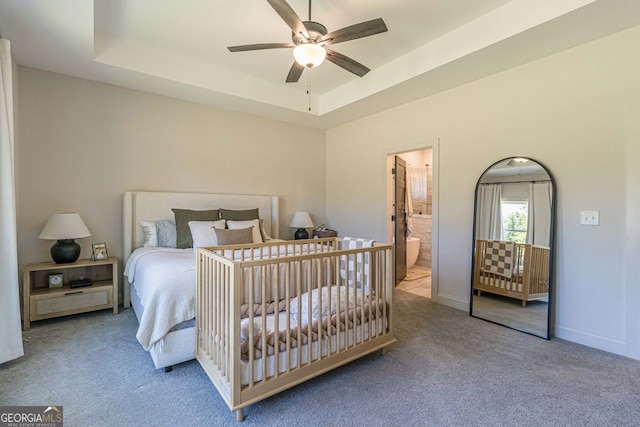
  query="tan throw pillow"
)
[
  {"x": 234, "y": 237},
  {"x": 255, "y": 223}
]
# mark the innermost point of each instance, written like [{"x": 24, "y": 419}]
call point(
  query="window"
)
[{"x": 514, "y": 221}]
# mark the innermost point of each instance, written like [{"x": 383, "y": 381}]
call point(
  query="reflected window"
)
[{"x": 514, "y": 220}]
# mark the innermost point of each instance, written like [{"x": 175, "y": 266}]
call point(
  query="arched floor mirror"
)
[{"x": 513, "y": 236}]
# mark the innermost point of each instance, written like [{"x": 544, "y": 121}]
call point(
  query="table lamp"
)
[
  {"x": 301, "y": 221},
  {"x": 64, "y": 228}
]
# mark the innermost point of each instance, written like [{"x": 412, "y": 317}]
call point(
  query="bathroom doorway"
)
[{"x": 419, "y": 214}]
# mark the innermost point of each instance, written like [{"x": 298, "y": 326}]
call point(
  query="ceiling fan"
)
[{"x": 311, "y": 38}]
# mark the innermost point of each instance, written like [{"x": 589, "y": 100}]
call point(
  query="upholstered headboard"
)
[{"x": 153, "y": 206}]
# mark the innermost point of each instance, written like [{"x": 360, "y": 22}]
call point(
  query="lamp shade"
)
[
  {"x": 309, "y": 54},
  {"x": 301, "y": 220},
  {"x": 64, "y": 226}
]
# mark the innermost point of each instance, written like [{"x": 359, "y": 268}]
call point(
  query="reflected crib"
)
[{"x": 515, "y": 270}]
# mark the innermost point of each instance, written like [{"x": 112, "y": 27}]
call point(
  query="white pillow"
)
[
  {"x": 150, "y": 233},
  {"x": 203, "y": 234},
  {"x": 255, "y": 223}
]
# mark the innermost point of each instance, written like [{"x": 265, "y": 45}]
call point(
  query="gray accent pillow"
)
[
  {"x": 183, "y": 216},
  {"x": 166, "y": 231},
  {"x": 234, "y": 237}
]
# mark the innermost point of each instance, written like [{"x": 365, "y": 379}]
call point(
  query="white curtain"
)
[
  {"x": 539, "y": 218},
  {"x": 417, "y": 177},
  {"x": 489, "y": 214},
  {"x": 10, "y": 329}
]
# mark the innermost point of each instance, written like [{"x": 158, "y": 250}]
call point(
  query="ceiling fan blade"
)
[
  {"x": 356, "y": 31},
  {"x": 295, "y": 72},
  {"x": 259, "y": 46},
  {"x": 347, "y": 63},
  {"x": 289, "y": 16}
]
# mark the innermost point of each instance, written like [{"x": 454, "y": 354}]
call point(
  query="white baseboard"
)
[
  {"x": 452, "y": 301},
  {"x": 595, "y": 341}
]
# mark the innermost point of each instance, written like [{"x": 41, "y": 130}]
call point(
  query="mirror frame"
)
[{"x": 551, "y": 250}]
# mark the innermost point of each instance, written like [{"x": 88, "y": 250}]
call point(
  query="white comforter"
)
[{"x": 166, "y": 283}]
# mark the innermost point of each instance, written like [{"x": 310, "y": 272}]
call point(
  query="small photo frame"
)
[{"x": 99, "y": 252}]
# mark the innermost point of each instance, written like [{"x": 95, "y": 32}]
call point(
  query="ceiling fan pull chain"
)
[{"x": 309, "y": 85}]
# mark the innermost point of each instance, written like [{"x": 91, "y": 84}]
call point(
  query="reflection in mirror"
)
[
  {"x": 513, "y": 241},
  {"x": 419, "y": 185}
]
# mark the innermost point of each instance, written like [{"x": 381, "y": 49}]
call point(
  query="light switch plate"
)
[{"x": 590, "y": 217}]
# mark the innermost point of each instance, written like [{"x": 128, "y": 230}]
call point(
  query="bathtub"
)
[{"x": 413, "y": 248}]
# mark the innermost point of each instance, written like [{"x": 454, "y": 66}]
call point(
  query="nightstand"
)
[{"x": 43, "y": 302}]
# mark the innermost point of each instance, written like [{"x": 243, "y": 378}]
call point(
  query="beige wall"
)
[
  {"x": 577, "y": 113},
  {"x": 83, "y": 144}
]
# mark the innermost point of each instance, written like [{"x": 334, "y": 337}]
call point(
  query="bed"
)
[
  {"x": 160, "y": 281},
  {"x": 515, "y": 270},
  {"x": 273, "y": 315}
]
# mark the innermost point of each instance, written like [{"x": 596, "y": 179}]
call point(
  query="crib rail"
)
[{"x": 259, "y": 312}]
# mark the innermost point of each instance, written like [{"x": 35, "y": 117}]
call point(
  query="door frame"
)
[{"x": 392, "y": 150}]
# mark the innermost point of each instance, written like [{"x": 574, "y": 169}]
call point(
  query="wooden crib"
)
[
  {"x": 525, "y": 279},
  {"x": 272, "y": 315}
]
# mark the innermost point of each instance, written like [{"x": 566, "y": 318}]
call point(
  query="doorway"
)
[{"x": 417, "y": 213}]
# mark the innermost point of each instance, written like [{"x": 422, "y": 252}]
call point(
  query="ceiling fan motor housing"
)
[{"x": 316, "y": 32}]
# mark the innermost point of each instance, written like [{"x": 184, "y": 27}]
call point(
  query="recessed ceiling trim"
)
[
  {"x": 431, "y": 46},
  {"x": 500, "y": 24}
]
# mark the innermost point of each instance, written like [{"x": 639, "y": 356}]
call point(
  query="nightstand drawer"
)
[{"x": 70, "y": 301}]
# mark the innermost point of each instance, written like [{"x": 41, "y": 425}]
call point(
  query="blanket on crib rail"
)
[{"x": 499, "y": 258}]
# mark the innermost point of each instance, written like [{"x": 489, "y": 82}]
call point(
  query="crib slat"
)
[
  {"x": 263, "y": 304},
  {"x": 309, "y": 288},
  {"x": 288, "y": 296}
]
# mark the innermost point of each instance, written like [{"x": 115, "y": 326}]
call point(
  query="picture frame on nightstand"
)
[{"x": 99, "y": 252}]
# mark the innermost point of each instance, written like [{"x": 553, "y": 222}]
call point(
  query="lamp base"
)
[
  {"x": 65, "y": 251},
  {"x": 301, "y": 234}
]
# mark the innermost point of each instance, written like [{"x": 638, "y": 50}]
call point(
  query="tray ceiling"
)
[{"x": 178, "y": 49}]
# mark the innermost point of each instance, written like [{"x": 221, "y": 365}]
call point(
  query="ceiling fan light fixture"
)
[{"x": 309, "y": 54}]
